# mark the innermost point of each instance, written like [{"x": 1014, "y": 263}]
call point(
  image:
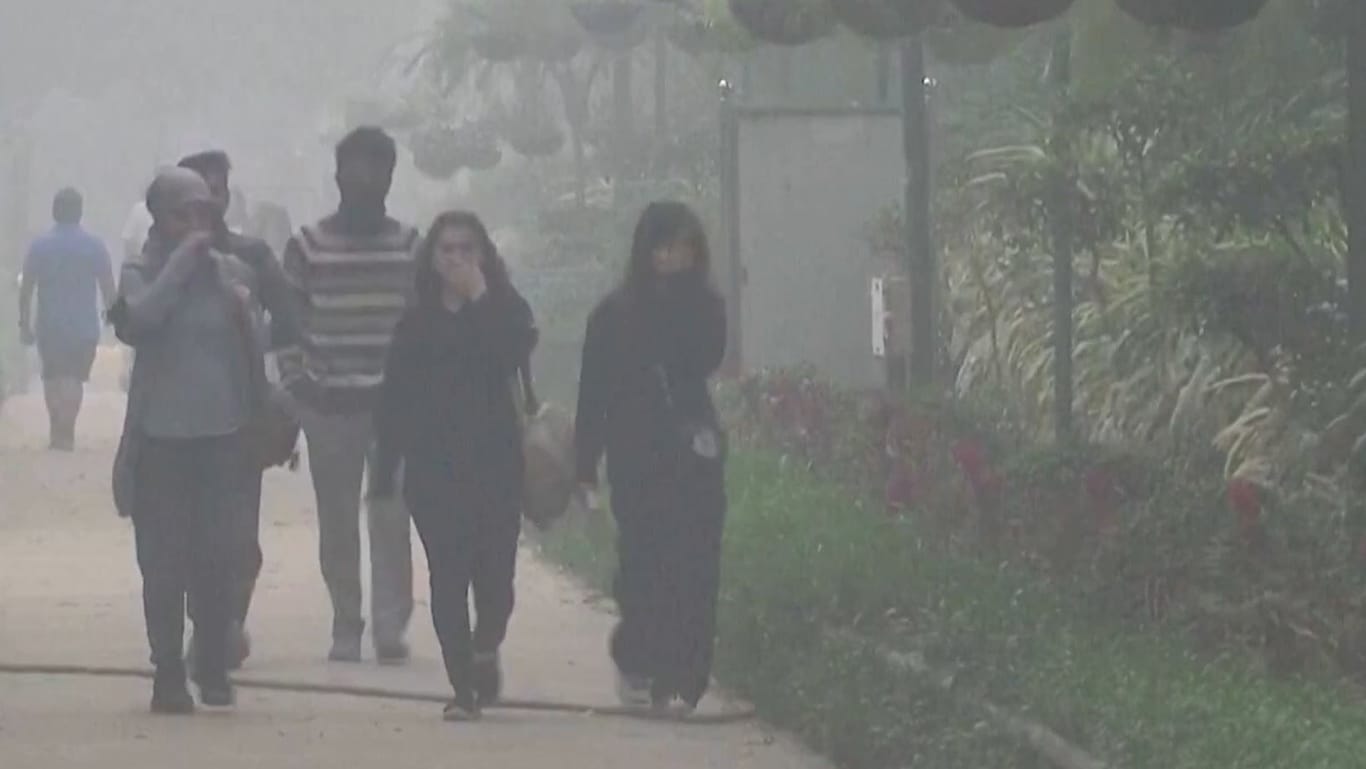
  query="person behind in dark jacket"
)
[
  {"x": 644, "y": 401},
  {"x": 182, "y": 462},
  {"x": 448, "y": 412},
  {"x": 215, "y": 167}
]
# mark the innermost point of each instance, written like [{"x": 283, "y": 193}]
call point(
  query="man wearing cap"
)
[
  {"x": 64, "y": 269},
  {"x": 183, "y": 462}
]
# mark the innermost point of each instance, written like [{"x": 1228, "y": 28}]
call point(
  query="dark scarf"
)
[{"x": 364, "y": 219}]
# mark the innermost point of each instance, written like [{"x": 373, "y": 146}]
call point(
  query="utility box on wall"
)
[{"x": 803, "y": 187}]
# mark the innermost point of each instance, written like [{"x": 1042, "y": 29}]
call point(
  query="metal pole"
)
[{"x": 921, "y": 267}]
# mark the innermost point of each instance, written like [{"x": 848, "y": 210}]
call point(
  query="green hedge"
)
[{"x": 802, "y": 558}]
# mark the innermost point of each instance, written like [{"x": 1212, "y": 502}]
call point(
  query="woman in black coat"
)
[
  {"x": 644, "y": 401},
  {"x": 448, "y": 412}
]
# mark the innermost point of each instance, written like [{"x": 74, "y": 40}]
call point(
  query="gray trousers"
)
[{"x": 338, "y": 446}]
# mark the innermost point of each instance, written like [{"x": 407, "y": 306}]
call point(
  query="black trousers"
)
[
  {"x": 188, "y": 532},
  {"x": 246, "y": 566},
  {"x": 669, "y": 527},
  {"x": 471, "y": 545}
]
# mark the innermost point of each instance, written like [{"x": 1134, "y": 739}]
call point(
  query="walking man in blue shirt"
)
[{"x": 65, "y": 268}]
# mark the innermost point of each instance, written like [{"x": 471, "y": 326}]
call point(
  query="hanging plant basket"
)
[
  {"x": 434, "y": 152},
  {"x": 1194, "y": 15},
  {"x": 1016, "y": 13},
  {"x": 534, "y": 139},
  {"x": 498, "y": 46},
  {"x": 628, "y": 41},
  {"x": 784, "y": 22},
  {"x": 696, "y": 34},
  {"x": 555, "y": 46},
  {"x": 961, "y": 42},
  {"x": 606, "y": 18},
  {"x": 1330, "y": 19},
  {"x": 887, "y": 19},
  {"x": 477, "y": 148},
  {"x": 365, "y": 111},
  {"x": 617, "y": 25},
  {"x": 440, "y": 151}
]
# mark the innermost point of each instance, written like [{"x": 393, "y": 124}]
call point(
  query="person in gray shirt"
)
[{"x": 183, "y": 462}]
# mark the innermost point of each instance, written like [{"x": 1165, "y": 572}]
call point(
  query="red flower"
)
[
  {"x": 1245, "y": 499},
  {"x": 1100, "y": 485},
  {"x": 899, "y": 493},
  {"x": 985, "y": 482},
  {"x": 989, "y": 485},
  {"x": 971, "y": 457},
  {"x": 897, "y": 431},
  {"x": 1102, "y": 496}
]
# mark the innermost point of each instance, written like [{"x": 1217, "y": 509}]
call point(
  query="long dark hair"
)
[
  {"x": 662, "y": 224},
  {"x": 429, "y": 282}
]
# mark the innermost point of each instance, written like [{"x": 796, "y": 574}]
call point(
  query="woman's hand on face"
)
[{"x": 470, "y": 283}]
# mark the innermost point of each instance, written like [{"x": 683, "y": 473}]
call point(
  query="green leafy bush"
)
[{"x": 804, "y": 558}]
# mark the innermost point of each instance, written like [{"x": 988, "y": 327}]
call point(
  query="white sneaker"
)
[
  {"x": 634, "y": 691},
  {"x": 683, "y": 710}
]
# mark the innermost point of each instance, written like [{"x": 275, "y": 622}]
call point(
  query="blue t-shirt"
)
[{"x": 66, "y": 265}]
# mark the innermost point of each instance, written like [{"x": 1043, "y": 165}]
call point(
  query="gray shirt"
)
[{"x": 192, "y": 376}]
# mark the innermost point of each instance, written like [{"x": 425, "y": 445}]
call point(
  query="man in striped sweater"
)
[{"x": 353, "y": 275}]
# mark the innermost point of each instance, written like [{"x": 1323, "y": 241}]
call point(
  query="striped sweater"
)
[{"x": 351, "y": 293}]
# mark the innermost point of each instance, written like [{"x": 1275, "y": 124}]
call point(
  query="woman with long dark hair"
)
[
  {"x": 448, "y": 413},
  {"x": 645, "y": 403}
]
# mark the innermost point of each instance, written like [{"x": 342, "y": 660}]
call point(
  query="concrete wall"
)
[{"x": 808, "y": 185}]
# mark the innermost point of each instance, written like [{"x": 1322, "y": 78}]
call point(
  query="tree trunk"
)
[
  {"x": 575, "y": 98},
  {"x": 1060, "y": 71},
  {"x": 623, "y": 123},
  {"x": 1355, "y": 214},
  {"x": 661, "y": 105},
  {"x": 921, "y": 267},
  {"x": 661, "y": 86},
  {"x": 580, "y": 168}
]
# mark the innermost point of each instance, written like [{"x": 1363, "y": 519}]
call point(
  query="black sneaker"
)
[
  {"x": 392, "y": 653},
  {"x": 171, "y": 696},
  {"x": 239, "y": 646},
  {"x": 662, "y": 699},
  {"x": 488, "y": 678},
  {"x": 345, "y": 649},
  {"x": 217, "y": 694},
  {"x": 463, "y": 709}
]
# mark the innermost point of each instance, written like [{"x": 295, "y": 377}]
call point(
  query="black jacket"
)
[
  {"x": 448, "y": 407},
  {"x": 632, "y": 349}
]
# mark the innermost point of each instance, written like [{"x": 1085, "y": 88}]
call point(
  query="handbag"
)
[
  {"x": 548, "y": 483},
  {"x": 272, "y": 432},
  {"x": 698, "y": 439},
  {"x": 131, "y": 440}
]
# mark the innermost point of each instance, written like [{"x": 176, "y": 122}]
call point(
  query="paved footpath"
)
[{"x": 69, "y": 594}]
